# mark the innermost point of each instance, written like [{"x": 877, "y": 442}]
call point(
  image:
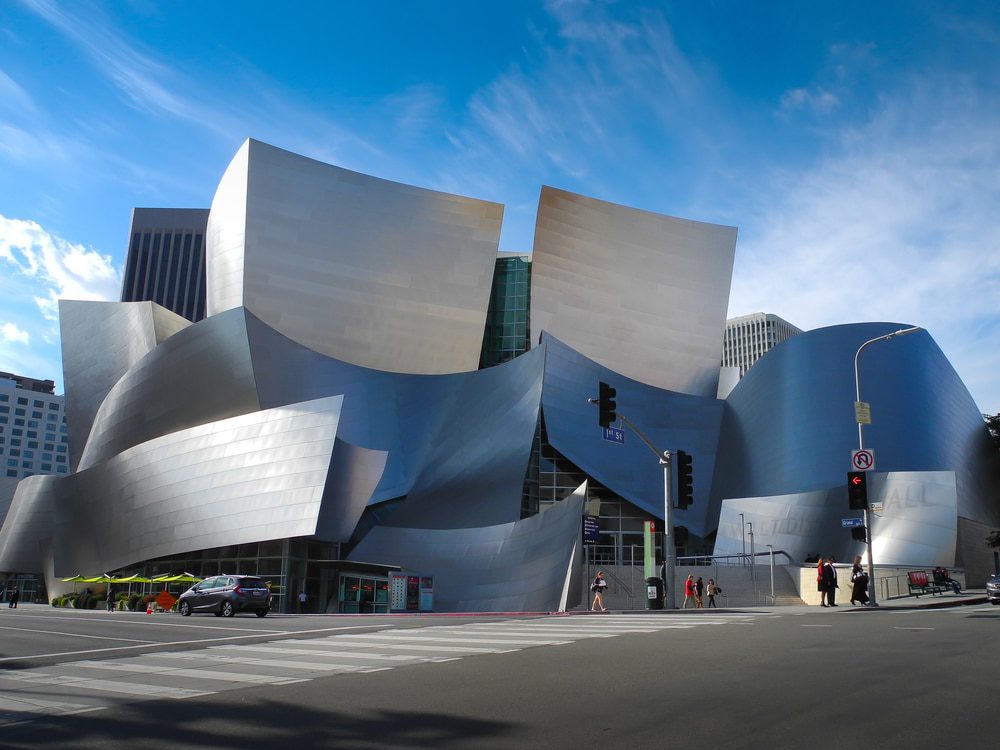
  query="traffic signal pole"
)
[
  {"x": 669, "y": 549},
  {"x": 608, "y": 413}
]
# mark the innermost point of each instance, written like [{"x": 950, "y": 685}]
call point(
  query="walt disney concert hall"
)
[{"x": 337, "y": 416}]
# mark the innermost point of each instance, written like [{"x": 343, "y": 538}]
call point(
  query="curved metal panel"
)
[
  {"x": 515, "y": 567},
  {"x": 453, "y": 440},
  {"x": 917, "y": 526},
  {"x": 789, "y": 424},
  {"x": 670, "y": 420},
  {"x": 201, "y": 374},
  {"x": 641, "y": 293},
  {"x": 245, "y": 479},
  {"x": 225, "y": 236},
  {"x": 403, "y": 273},
  {"x": 27, "y": 528},
  {"x": 100, "y": 342},
  {"x": 474, "y": 471},
  {"x": 354, "y": 474}
]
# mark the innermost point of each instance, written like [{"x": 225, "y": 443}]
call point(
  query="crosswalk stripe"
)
[
  {"x": 310, "y": 666},
  {"x": 196, "y": 674},
  {"x": 422, "y": 647},
  {"x": 396, "y": 636},
  {"x": 272, "y": 649},
  {"x": 31, "y": 704},
  {"x": 106, "y": 686}
]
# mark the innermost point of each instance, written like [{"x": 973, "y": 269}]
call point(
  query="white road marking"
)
[
  {"x": 152, "y": 621},
  {"x": 75, "y": 635},
  {"x": 151, "y": 644},
  {"x": 195, "y": 674},
  {"x": 815, "y": 626},
  {"x": 309, "y": 666},
  {"x": 108, "y": 686},
  {"x": 29, "y": 703}
]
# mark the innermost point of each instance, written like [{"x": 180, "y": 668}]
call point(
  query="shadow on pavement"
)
[{"x": 245, "y": 723}]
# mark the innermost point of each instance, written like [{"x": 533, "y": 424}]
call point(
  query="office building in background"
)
[
  {"x": 166, "y": 260},
  {"x": 750, "y": 337}
]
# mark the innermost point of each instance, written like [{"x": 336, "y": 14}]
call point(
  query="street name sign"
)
[
  {"x": 614, "y": 434},
  {"x": 850, "y": 523}
]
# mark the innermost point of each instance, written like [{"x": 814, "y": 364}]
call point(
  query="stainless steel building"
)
[{"x": 328, "y": 414}]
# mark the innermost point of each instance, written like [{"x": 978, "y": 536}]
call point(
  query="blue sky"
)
[{"x": 855, "y": 145}]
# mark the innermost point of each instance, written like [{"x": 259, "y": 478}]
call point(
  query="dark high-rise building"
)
[{"x": 166, "y": 259}]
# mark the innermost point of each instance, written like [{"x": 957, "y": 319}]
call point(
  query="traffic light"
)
[
  {"x": 685, "y": 480},
  {"x": 858, "y": 534},
  {"x": 857, "y": 490},
  {"x": 607, "y": 405}
]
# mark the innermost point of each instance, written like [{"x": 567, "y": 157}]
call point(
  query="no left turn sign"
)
[{"x": 863, "y": 460}]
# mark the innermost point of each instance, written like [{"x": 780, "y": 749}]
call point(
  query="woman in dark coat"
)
[{"x": 859, "y": 583}]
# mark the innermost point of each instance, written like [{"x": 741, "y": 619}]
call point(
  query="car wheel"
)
[
  {"x": 995, "y": 601},
  {"x": 261, "y": 613},
  {"x": 227, "y": 609},
  {"x": 184, "y": 608}
]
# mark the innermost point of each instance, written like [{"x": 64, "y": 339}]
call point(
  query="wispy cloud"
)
[
  {"x": 14, "y": 98},
  {"x": 898, "y": 223}
]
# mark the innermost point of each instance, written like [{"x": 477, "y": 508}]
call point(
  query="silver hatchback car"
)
[{"x": 226, "y": 595}]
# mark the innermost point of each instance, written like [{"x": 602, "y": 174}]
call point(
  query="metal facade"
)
[
  {"x": 100, "y": 342},
  {"x": 330, "y": 396},
  {"x": 640, "y": 293},
  {"x": 789, "y": 430},
  {"x": 369, "y": 271}
]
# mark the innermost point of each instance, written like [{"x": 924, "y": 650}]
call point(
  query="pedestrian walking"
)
[
  {"x": 689, "y": 592},
  {"x": 111, "y": 599},
  {"x": 598, "y": 587},
  {"x": 699, "y": 592},
  {"x": 859, "y": 583},
  {"x": 712, "y": 590},
  {"x": 302, "y": 601},
  {"x": 15, "y": 597}
]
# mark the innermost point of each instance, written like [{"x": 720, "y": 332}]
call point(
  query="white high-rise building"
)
[
  {"x": 750, "y": 337},
  {"x": 33, "y": 436}
]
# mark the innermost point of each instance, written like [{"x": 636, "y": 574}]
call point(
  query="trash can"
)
[{"x": 654, "y": 593}]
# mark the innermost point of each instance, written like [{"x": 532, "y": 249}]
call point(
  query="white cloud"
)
[
  {"x": 9, "y": 332},
  {"x": 56, "y": 268},
  {"x": 899, "y": 224}
]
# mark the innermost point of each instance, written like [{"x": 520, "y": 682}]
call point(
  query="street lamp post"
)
[
  {"x": 872, "y": 602},
  {"x": 743, "y": 535}
]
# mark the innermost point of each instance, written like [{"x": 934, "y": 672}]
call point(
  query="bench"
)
[{"x": 918, "y": 584}]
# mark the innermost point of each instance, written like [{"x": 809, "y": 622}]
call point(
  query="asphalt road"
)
[{"x": 784, "y": 678}]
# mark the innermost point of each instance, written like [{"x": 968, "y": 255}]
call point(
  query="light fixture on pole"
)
[{"x": 861, "y": 446}]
